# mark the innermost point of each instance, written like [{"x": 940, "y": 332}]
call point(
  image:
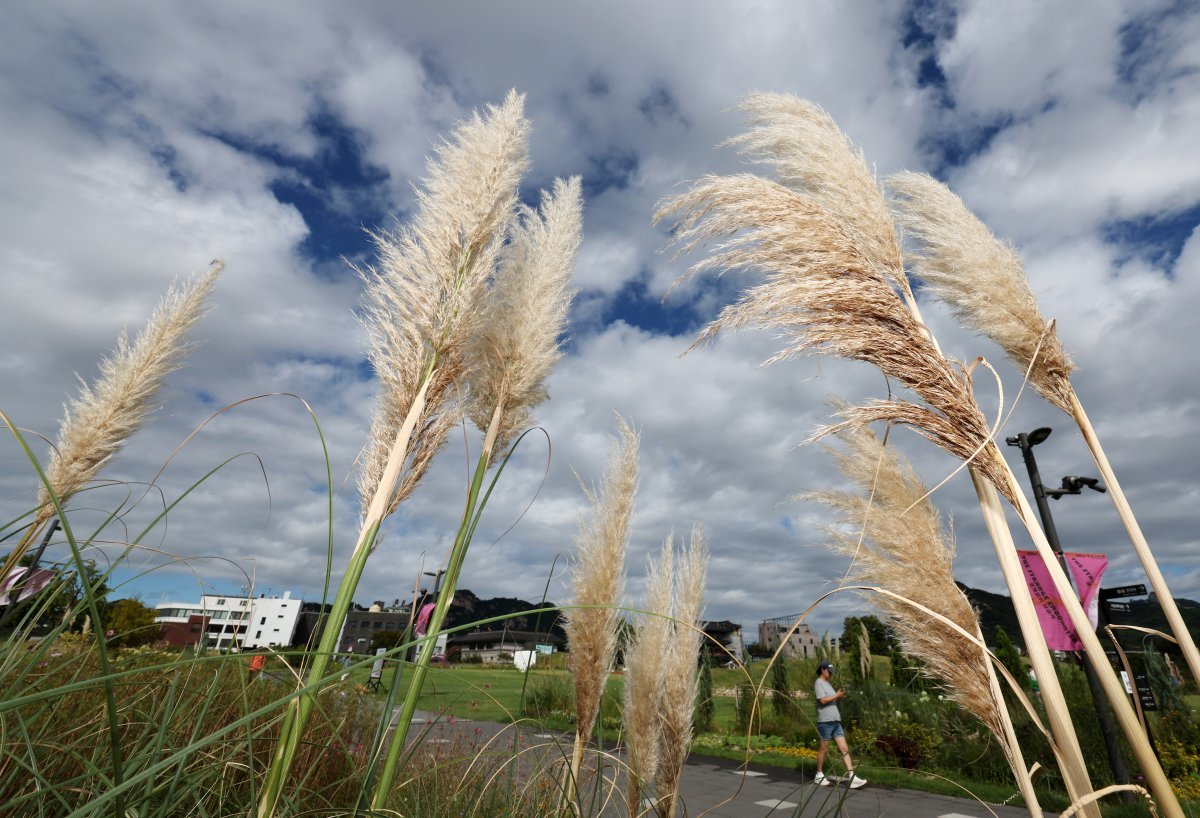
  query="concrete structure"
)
[
  {"x": 224, "y": 622},
  {"x": 272, "y": 622},
  {"x": 802, "y": 644},
  {"x": 498, "y": 647},
  {"x": 361, "y": 626}
]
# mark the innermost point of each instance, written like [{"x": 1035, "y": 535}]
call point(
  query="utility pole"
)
[{"x": 1073, "y": 485}]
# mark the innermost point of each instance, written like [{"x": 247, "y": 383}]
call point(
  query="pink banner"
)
[
  {"x": 29, "y": 586},
  {"x": 1086, "y": 570}
]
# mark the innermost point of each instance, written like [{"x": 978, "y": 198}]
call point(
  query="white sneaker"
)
[
  {"x": 856, "y": 781},
  {"x": 820, "y": 780}
]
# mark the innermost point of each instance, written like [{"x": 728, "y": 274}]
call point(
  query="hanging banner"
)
[
  {"x": 26, "y": 586},
  {"x": 1086, "y": 570}
]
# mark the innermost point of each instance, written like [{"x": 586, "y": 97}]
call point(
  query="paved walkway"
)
[{"x": 719, "y": 788}]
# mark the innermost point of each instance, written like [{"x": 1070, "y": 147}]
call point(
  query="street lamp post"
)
[
  {"x": 1072, "y": 485},
  {"x": 437, "y": 579}
]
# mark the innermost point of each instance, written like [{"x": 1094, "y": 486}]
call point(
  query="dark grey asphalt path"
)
[{"x": 717, "y": 788}]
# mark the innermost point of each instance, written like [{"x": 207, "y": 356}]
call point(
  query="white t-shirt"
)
[{"x": 825, "y": 712}]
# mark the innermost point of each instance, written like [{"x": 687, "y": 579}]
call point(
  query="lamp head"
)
[{"x": 1074, "y": 485}]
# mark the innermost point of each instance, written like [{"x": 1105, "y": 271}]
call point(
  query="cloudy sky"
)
[{"x": 140, "y": 141}]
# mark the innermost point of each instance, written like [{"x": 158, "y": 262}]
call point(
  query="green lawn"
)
[{"x": 489, "y": 693}]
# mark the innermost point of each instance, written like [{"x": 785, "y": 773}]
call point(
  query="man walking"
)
[{"x": 829, "y": 726}]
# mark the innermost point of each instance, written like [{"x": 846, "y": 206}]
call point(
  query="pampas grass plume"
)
[
  {"x": 823, "y": 294},
  {"x": 597, "y": 582},
  {"x": 424, "y": 296},
  {"x": 645, "y": 661},
  {"x": 98, "y": 422},
  {"x": 517, "y": 345},
  {"x": 677, "y": 701},
  {"x": 981, "y": 278},
  {"x": 904, "y": 548},
  {"x": 811, "y": 155}
]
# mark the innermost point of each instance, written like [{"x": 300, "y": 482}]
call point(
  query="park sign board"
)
[{"x": 1123, "y": 591}]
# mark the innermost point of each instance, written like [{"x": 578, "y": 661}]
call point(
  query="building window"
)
[
  {"x": 263, "y": 621},
  {"x": 258, "y": 635},
  {"x": 351, "y": 624},
  {"x": 376, "y": 625},
  {"x": 220, "y": 602}
]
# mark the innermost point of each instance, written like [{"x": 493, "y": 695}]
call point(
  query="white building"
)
[{"x": 231, "y": 621}]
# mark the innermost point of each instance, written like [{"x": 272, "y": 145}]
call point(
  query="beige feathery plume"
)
[
  {"x": 981, "y": 278},
  {"x": 423, "y": 298},
  {"x": 812, "y": 156},
  {"x": 517, "y": 345},
  {"x": 984, "y": 282},
  {"x": 823, "y": 294},
  {"x": 598, "y": 582},
  {"x": 680, "y": 677},
  {"x": 645, "y": 661},
  {"x": 97, "y": 424},
  {"x": 903, "y": 548}
]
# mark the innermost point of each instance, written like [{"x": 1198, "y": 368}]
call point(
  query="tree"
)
[
  {"x": 702, "y": 721},
  {"x": 1006, "y": 652},
  {"x": 781, "y": 697},
  {"x": 757, "y": 650},
  {"x": 906, "y": 671},
  {"x": 132, "y": 623},
  {"x": 878, "y": 633},
  {"x": 387, "y": 639}
]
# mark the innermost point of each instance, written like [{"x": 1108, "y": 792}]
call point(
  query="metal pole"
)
[{"x": 1116, "y": 758}]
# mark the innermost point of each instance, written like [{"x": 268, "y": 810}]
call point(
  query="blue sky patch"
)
[
  {"x": 613, "y": 169},
  {"x": 955, "y": 147},
  {"x": 1144, "y": 40},
  {"x": 634, "y": 305},
  {"x": 661, "y": 106},
  {"x": 339, "y": 172},
  {"x": 924, "y": 23},
  {"x": 1158, "y": 238}
]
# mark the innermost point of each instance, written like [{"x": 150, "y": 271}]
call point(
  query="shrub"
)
[
  {"x": 550, "y": 696},
  {"x": 745, "y": 709}
]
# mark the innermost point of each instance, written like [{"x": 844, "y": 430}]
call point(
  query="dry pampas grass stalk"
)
[
  {"x": 983, "y": 281},
  {"x": 517, "y": 344},
  {"x": 104, "y": 416},
  {"x": 980, "y": 278},
  {"x": 96, "y": 424},
  {"x": 423, "y": 302},
  {"x": 597, "y": 583},
  {"x": 823, "y": 294},
  {"x": 424, "y": 297},
  {"x": 680, "y": 671},
  {"x": 523, "y": 312},
  {"x": 895, "y": 538},
  {"x": 645, "y": 658},
  {"x": 812, "y": 156}
]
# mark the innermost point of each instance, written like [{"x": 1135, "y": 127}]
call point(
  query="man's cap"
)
[{"x": 825, "y": 665}]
